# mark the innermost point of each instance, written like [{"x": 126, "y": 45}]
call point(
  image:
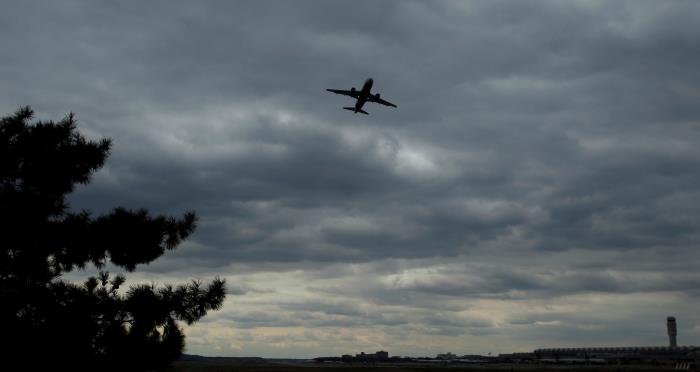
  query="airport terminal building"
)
[
  {"x": 656, "y": 355},
  {"x": 642, "y": 354}
]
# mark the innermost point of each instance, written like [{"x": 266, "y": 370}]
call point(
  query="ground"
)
[{"x": 197, "y": 366}]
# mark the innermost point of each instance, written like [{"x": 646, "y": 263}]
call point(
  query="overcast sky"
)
[{"x": 537, "y": 185}]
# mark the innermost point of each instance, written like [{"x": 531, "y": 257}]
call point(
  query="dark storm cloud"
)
[
  {"x": 540, "y": 149},
  {"x": 556, "y": 281}
]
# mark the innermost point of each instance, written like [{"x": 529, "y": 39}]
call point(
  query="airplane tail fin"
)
[{"x": 353, "y": 110}]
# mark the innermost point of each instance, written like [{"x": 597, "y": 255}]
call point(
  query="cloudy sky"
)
[{"x": 536, "y": 187}]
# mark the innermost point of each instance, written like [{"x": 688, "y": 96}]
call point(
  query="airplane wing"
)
[
  {"x": 351, "y": 93},
  {"x": 375, "y": 98}
]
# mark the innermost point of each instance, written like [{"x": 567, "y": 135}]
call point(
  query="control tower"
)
[{"x": 672, "y": 330}]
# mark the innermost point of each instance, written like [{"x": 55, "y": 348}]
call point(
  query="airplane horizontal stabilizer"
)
[{"x": 353, "y": 110}]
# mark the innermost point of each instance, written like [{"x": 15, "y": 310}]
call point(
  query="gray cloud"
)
[{"x": 541, "y": 151}]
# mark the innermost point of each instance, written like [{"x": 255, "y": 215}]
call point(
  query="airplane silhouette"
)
[{"x": 362, "y": 96}]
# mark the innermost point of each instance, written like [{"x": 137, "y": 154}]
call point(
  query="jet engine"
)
[
  {"x": 352, "y": 89},
  {"x": 378, "y": 95}
]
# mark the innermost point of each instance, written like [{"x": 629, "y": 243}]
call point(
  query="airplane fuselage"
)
[{"x": 364, "y": 94}]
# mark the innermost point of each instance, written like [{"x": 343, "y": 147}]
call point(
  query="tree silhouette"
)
[{"x": 48, "y": 320}]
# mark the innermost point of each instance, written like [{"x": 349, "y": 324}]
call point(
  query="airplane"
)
[{"x": 362, "y": 96}]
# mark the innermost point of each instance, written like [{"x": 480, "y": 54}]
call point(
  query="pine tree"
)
[{"x": 48, "y": 320}]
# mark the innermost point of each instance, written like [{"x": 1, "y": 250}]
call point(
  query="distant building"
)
[
  {"x": 446, "y": 356},
  {"x": 378, "y": 356},
  {"x": 673, "y": 353},
  {"x": 672, "y": 330}
]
